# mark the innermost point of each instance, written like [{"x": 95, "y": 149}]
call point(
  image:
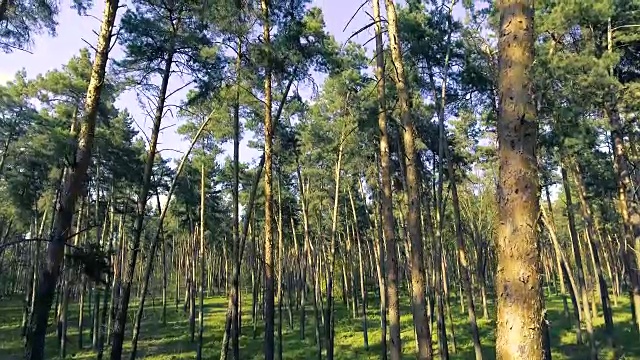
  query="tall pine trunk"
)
[
  {"x": 123, "y": 300},
  {"x": 268, "y": 197},
  {"x": 420, "y": 319},
  {"x": 390, "y": 270},
  {"x": 34, "y": 349},
  {"x": 520, "y": 305}
]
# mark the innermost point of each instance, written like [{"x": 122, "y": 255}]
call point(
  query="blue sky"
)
[{"x": 49, "y": 53}]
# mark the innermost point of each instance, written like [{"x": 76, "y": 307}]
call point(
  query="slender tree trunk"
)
[
  {"x": 34, "y": 349},
  {"x": 268, "y": 206},
  {"x": 520, "y": 319},
  {"x": 575, "y": 242},
  {"x": 564, "y": 267},
  {"x": 280, "y": 267},
  {"x": 627, "y": 203},
  {"x": 363, "y": 285},
  {"x": 460, "y": 245},
  {"x": 413, "y": 217},
  {"x": 380, "y": 268},
  {"x": 202, "y": 260},
  {"x": 123, "y": 300},
  {"x": 594, "y": 246},
  {"x": 386, "y": 212},
  {"x": 330, "y": 316},
  {"x": 235, "y": 248},
  {"x": 164, "y": 282}
]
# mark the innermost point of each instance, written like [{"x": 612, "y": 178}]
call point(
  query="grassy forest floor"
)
[{"x": 172, "y": 341}]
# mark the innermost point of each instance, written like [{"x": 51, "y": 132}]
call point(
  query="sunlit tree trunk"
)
[
  {"x": 34, "y": 349},
  {"x": 520, "y": 318}
]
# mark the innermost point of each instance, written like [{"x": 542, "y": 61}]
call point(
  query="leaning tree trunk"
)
[
  {"x": 123, "y": 300},
  {"x": 563, "y": 265},
  {"x": 420, "y": 319},
  {"x": 159, "y": 237},
  {"x": 519, "y": 333},
  {"x": 34, "y": 348}
]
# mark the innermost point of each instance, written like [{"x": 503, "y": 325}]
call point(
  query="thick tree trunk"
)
[
  {"x": 34, "y": 349},
  {"x": 520, "y": 318}
]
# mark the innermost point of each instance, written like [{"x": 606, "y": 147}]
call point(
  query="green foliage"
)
[{"x": 21, "y": 20}]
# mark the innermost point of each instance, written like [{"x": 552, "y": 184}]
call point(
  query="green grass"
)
[{"x": 172, "y": 341}]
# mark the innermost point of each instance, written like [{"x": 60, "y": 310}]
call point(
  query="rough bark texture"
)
[
  {"x": 518, "y": 284},
  {"x": 413, "y": 192},
  {"x": 72, "y": 187},
  {"x": 268, "y": 197},
  {"x": 393, "y": 302}
]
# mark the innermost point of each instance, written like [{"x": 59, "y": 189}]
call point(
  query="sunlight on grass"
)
[{"x": 172, "y": 341}]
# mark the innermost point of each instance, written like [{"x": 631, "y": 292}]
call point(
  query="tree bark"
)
[
  {"x": 123, "y": 300},
  {"x": 575, "y": 242},
  {"x": 519, "y": 333},
  {"x": 329, "y": 325},
  {"x": 34, "y": 349},
  {"x": 420, "y": 320},
  {"x": 268, "y": 197},
  {"x": 390, "y": 271},
  {"x": 594, "y": 246},
  {"x": 202, "y": 260}
]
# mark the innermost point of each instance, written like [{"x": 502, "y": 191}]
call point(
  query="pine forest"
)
[{"x": 430, "y": 179}]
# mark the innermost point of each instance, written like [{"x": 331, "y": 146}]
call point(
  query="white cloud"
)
[{"x": 5, "y": 77}]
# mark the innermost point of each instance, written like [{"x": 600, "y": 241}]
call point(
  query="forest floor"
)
[{"x": 171, "y": 341}]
